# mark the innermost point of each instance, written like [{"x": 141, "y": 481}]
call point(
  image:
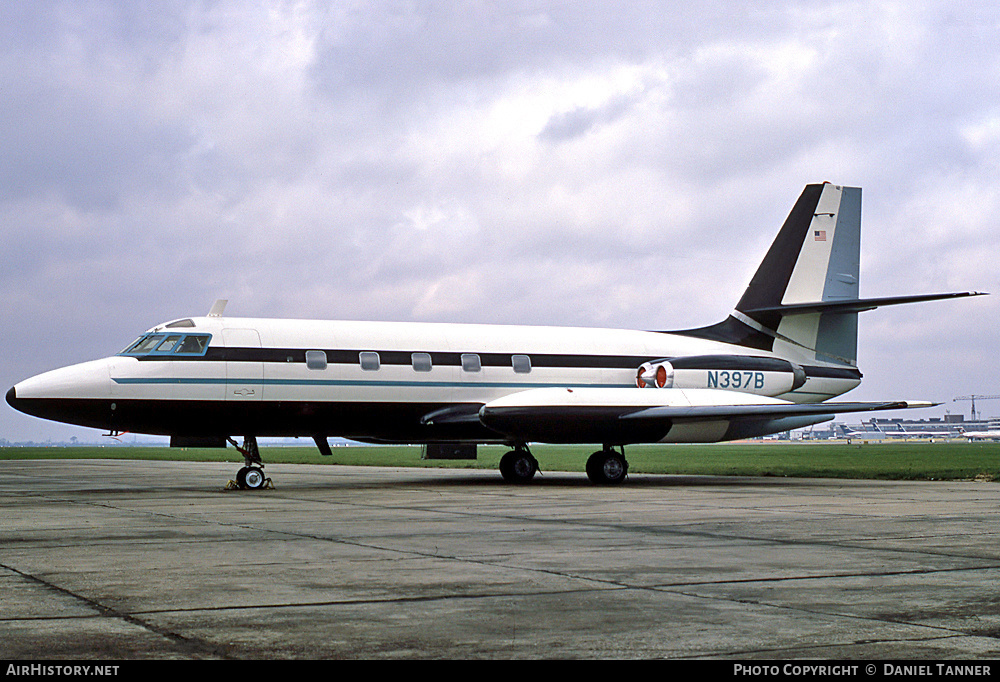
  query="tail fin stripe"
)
[{"x": 750, "y": 322}]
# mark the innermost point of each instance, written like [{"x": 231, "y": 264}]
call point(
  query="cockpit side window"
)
[{"x": 193, "y": 343}]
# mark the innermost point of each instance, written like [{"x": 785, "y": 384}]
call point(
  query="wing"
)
[{"x": 632, "y": 415}]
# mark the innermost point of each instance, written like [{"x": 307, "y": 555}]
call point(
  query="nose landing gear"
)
[{"x": 251, "y": 476}]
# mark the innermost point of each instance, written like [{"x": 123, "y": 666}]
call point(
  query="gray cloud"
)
[{"x": 529, "y": 162}]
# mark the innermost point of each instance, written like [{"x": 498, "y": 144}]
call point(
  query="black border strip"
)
[{"x": 538, "y": 360}]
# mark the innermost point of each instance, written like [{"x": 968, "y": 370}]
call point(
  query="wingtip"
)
[{"x": 917, "y": 404}]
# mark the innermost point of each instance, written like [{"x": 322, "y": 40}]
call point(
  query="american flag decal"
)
[{"x": 819, "y": 235}]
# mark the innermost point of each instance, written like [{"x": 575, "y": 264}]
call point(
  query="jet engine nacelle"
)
[
  {"x": 658, "y": 374},
  {"x": 748, "y": 374}
]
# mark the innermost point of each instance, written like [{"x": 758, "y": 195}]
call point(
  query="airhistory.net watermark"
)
[{"x": 47, "y": 670}]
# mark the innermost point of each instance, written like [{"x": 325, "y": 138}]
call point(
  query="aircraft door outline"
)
[{"x": 244, "y": 376}]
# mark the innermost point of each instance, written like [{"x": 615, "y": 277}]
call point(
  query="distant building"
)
[{"x": 882, "y": 428}]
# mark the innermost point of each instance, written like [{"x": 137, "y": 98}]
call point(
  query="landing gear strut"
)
[
  {"x": 251, "y": 476},
  {"x": 607, "y": 467},
  {"x": 518, "y": 465}
]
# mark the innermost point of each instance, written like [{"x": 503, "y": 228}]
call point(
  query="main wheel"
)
[
  {"x": 518, "y": 466},
  {"x": 607, "y": 467}
]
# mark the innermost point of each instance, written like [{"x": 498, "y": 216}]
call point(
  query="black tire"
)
[
  {"x": 518, "y": 466},
  {"x": 253, "y": 478},
  {"x": 607, "y": 467}
]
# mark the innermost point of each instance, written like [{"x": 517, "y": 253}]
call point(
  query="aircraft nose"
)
[{"x": 78, "y": 394}]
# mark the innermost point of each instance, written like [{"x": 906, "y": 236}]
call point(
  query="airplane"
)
[
  {"x": 872, "y": 429},
  {"x": 788, "y": 347},
  {"x": 849, "y": 432},
  {"x": 900, "y": 432},
  {"x": 991, "y": 434}
]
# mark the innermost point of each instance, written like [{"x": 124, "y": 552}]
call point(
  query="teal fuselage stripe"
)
[{"x": 353, "y": 382}]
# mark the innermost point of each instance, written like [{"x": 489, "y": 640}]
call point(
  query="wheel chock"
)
[{"x": 233, "y": 485}]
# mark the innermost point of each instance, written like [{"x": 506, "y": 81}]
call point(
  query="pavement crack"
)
[{"x": 185, "y": 645}]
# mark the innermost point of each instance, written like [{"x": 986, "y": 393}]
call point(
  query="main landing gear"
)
[
  {"x": 605, "y": 467},
  {"x": 518, "y": 465},
  {"x": 251, "y": 476}
]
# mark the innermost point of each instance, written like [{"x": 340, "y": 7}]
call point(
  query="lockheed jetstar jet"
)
[{"x": 789, "y": 346}]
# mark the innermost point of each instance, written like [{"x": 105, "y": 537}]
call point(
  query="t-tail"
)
[{"x": 803, "y": 302}]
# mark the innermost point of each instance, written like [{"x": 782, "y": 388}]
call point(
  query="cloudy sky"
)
[{"x": 620, "y": 164}]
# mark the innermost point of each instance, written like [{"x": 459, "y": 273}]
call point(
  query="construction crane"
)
[{"x": 974, "y": 398}]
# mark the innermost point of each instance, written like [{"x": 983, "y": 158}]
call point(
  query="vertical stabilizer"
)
[
  {"x": 814, "y": 259},
  {"x": 820, "y": 243}
]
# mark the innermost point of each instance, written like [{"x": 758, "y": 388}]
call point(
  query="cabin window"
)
[
  {"x": 521, "y": 363},
  {"x": 421, "y": 362},
  {"x": 471, "y": 363},
  {"x": 369, "y": 361},
  {"x": 316, "y": 359}
]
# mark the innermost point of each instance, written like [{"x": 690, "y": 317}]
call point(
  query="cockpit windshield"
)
[{"x": 169, "y": 344}]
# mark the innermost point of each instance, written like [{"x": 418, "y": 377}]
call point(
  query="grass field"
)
[{"x": 894, "y": 460}]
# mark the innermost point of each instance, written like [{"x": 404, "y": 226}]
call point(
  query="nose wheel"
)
[{"x": 251, "y": 476}]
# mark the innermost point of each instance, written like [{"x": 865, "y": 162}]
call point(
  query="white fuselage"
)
[{"x": 379, "y": 380}]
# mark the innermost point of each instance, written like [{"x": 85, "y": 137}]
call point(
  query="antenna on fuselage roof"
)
[{"x": 218, "y": 307}]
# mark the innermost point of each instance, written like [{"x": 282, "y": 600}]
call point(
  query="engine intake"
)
[
  {"x": 658, "y": 374},
  {"x": 748, "y": 374}
]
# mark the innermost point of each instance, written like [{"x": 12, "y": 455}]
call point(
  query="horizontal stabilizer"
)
[
  {"x": 858, "y": 305},
  {"x": 803, "y": 301}
]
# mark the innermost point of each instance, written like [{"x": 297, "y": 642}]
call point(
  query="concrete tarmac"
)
[{"x": 111, "y": 559}]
